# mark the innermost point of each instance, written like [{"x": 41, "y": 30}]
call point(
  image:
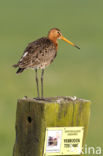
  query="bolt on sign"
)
[{"x": 63, "y": 141}]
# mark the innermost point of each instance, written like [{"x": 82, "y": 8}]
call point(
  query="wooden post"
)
[{"x": 33, "y": 116}]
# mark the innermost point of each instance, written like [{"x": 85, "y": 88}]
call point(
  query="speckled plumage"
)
[{"x": 38, "y": 54}]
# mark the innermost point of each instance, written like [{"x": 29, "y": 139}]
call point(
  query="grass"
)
[{"x": 74, "y": 72}]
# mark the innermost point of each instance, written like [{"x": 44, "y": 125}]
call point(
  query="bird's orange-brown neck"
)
[{"x": 54, "y": 40}]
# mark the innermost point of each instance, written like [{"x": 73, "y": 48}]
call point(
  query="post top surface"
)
[{"x": 57, "y": 99}]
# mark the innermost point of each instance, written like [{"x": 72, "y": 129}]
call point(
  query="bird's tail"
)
[
  {"x": 15, "y": 65},
  {"x": 20, "y": 70}
]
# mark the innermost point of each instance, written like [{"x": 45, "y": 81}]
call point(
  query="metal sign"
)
[{"x": 63, "y": 141}]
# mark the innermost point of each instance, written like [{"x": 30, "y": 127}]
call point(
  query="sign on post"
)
[{"x": 63, "y": 141}]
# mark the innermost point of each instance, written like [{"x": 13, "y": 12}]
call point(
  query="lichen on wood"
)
[{"x": 34, "y": 116}]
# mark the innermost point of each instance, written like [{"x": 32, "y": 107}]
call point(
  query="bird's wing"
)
[
  {"x": 36, "y": 52},
  {"x": 29, "y": 54}
]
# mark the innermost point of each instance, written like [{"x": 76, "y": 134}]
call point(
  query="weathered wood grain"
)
[{"x": 33, "y": 116}]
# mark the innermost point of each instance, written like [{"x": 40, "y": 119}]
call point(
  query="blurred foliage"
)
[{"x": 73, "y": 73}]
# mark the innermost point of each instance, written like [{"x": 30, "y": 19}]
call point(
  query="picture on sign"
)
[
  {"x": 63, "y": 141},
  {"x": 54, "y": 140}
]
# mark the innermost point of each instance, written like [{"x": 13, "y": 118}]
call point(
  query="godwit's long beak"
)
[{"x": 63, "y": 38}]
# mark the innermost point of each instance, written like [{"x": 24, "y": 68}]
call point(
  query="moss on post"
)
[{"x": 33, "y": 116}]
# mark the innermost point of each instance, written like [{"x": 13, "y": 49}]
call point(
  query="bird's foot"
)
[
  {"x": 37, "y": 98},
  {"x": 46, "y": 99},
  {"x": 43, "y": 99}
]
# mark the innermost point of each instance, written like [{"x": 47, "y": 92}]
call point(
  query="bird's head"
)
[{"x": 55, "y": 34}]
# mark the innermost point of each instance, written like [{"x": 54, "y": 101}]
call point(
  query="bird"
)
[{"x": 41, "y": 53}]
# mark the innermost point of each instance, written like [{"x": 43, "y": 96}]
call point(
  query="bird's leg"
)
[
  {"x": 42, "y": 74},
  {"x": 37, "y": 83}
]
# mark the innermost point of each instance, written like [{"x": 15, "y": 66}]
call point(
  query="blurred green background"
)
[{"x": 73, "y": 73}]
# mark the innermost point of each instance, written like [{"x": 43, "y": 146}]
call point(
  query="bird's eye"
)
[{"x": 58, "y": 33}]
